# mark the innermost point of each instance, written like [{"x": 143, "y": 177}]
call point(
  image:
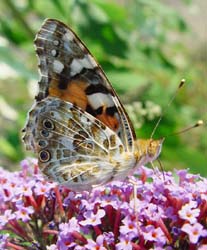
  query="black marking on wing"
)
[
  {"x": 111, "y": 111},
  {"x": 98, "y": 88}
]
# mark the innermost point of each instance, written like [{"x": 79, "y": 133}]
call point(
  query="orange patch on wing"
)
[
  {"x": 74, "y": 93},
  {"x": 109, "y": 121}
]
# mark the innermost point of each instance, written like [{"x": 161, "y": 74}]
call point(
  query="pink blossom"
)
[
  {"x": 93, "y": 219},
  {"x": 52, "y": 247},
  {"x": 150, "y": 213},
  {"x": 154, "y": 234},
  {"x": 7, "y": 216},
  {"x": 203, "y": 247},
  {"x": 23, "y": 213},
  {"x": 189, "y": 212},
  {"x": 194, "y": 231},
  {"x": 43, "y": 187},
  {"x": 96, "y": 245},
  {"x": 125, "y": 243}
]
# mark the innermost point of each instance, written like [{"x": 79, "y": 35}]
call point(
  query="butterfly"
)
[{"x": 77, "y": 127}]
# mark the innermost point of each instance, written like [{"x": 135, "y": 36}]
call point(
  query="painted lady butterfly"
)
[{"x": 78, "y": 127}]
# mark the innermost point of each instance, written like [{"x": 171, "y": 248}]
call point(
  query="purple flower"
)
[
  {"x": 96, "y": 245},
  {"x": 153, "y": 212},
  {"x": 3, "y": 240},
  {"x": 69, "y": 227},
  {"x": 25, "y": 189},
  {"x": 189, "y": 212},
  {"x": 66, "y": 243},
  {"x": 23, "y": 213},
  {"x": 67, "y": 201},
  {"x": 129, "y": 227},
  {"x": 203, "y": 247},
  {"x": 170, "y": 213},
  {"x": 44, "y": 187},
  {"x": 185, "y": 177},
  {"x": 124, "y": 243},
  {"x": 9, "y": 191},
  {"x": 176, "y": 231},
  {"x": 109, "y": 199},
  {"x": 194, "y": 231},
  {"x": 7, "y": 216},
  {"x": 109, "y": 237},
  {"x": 154, "y": 234},
  {"x": 148, "y": 212},
  {"x": 52, "y": 247},
  {"x": 93, "y": 219}
]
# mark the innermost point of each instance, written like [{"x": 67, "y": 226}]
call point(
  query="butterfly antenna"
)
[
  {"x": 169, "y": 103},
  {"x": 197, "y": 124}
]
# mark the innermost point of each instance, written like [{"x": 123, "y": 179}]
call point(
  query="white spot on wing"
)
[
  {"x": 68, "y": 36},
  {"x": 53, "y": 52},
  {"x": 99, "y": 99},
  {"x": 57, "y": 66},
  {"x": 78, "y": 64},
  {"x": 91, "y": 59},
  {"x": 56, "y": 42},
  {"x": 86, "y": 121},
  {"x": 67, "y": 47},
  {"x": 51, "y": 26}
]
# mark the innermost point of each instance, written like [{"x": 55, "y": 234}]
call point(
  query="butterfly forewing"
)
[{"x": 69, "y": 71}]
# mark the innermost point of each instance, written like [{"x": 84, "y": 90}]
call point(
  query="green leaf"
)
[
  {"x": 10, "y": 57},
  {"x": 8, "y": 149}
]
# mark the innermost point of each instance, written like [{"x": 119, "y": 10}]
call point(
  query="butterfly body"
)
[{"x": 78, "y": 127}]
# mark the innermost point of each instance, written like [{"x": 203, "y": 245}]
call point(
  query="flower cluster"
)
[{"x": 152, "y": 211}]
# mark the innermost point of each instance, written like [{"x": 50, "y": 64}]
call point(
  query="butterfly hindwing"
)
[
  {"x": 73, "y": 147},
  {"x": 69, "y": 72}
]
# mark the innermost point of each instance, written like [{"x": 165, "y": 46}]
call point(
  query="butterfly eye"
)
[
  {"x": 48, "y": 124},
  {"x": 44, "y": 156}
]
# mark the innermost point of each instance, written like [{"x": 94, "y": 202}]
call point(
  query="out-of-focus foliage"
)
[{"x": 139, "y": 45}]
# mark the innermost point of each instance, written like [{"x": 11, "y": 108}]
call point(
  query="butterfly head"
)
[{"x": 147, "y": 150}]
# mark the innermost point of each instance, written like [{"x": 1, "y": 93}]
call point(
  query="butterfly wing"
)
[
  {"x": 73, "y": 147},
  {"x": 69, "y": 72}
]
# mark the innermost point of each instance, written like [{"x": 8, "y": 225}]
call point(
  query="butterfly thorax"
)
[{"x": 147, "y": 150}]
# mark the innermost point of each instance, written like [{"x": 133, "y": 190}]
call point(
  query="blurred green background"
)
[{"x": 145, "y": 48}]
